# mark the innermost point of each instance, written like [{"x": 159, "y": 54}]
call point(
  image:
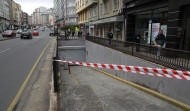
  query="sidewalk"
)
[
  {"x": 39, "y": 94},
  {"x": 88, "y": 90}
]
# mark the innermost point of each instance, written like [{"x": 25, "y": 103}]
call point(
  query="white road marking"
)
[{"x": 5, "y": 50}]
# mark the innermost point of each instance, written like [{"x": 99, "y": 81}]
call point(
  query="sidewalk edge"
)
[{"x": 149, "y": 91}]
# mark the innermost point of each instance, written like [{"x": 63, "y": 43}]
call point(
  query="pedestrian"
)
[
  {"x": 137, "y": 37},
  {"x": 73, "y": 33},
  {"x": 110, "y": 36},
  {"x": 159, "y": 41},
  {"x": 87, "y": 34}
]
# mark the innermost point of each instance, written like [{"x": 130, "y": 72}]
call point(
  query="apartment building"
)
[
  {"x": 98, "y": 17},
  {"x": 82, "y": 11},
  {"x": 25, "y": 18},
  {"x": 37, "y": 15},
  {"x": 46, "y": 16},
  {"x": 19, "y": 14},
  {"x": 58, "y": 11},
  {"x": 71, "y": 18},
  {"x": 4, "y": 14}
]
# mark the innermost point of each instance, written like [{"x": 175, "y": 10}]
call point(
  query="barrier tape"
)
[{"x": 176, "y": 74}]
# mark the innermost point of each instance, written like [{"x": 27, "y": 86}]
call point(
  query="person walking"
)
[
  {"x": 110, "y": 36},
  {"x": 73, "y": 33},
  {"x": 160, "y": 41},
  {"x": 137, "y": 37}
]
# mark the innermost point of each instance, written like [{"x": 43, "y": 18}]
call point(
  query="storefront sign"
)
[
  {"x": 155, "y": 30},
  {"x": 87, "y": 24}
]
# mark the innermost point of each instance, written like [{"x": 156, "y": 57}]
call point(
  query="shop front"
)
[
  {"x": 101, "y": 28},
  {"x": 147, "y": 18},
  {"x": 84, "y": 28}
]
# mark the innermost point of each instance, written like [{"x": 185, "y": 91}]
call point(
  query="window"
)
[
  {"x": 115, "y": 4},
  {"x": 101, "y": 10},
  {"x": 86, "y": 17},
  {"x": 94, "y": 11},
  {"x": 89, "y": 13},
  {"x": 106, "y": 7},
  {"x": 78, "y": 4}
]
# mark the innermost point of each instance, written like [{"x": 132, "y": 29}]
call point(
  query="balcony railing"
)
[{"x": 171, "y": 58}]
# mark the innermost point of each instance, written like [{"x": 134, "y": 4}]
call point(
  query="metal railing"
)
[
  {"x": 55, "y": 68},
  {"x": 171, "y": 58}
]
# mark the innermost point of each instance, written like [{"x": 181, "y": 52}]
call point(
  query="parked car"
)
[
  {"x": 35, "y": 32},
  {"x": 19, "y": 31},
  {"x": 26, "y": 34},
  {"x": 9, "y": 33}
]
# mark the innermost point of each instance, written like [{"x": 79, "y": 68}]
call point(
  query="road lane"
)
[{"x": 16, "y": 63}]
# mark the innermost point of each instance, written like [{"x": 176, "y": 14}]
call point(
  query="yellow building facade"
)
[
  {"x": 82, "y": 12},
  {"x": 99, "y": 17}
]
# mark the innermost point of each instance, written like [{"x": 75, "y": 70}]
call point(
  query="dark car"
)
[
  {"x": 9, "y": 33},
  {"x": 26, "y": 34}
]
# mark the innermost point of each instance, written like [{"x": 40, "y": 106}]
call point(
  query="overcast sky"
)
[{"x": 28, "y": 6}]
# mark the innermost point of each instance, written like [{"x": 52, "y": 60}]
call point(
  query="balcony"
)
[
  {"x": 91, "y": 3},
  {"x": 88, "y": 4}
]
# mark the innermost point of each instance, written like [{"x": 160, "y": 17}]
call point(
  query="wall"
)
[{"x": 177, "y": 89}]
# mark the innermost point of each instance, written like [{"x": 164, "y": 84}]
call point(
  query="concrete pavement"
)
[
  {"x": 88, "y": 90},
  {"x": 39, "y": 94}
]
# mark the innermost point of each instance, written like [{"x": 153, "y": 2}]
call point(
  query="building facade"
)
[
  {"x": 29, "y": 20},
  {"x": 47, "y": 17},
  {"x": 4, "y": 14},
  {"x": 150, "y": 16},
  {"x": 37, "y": 15},
  {"x": 82, "y": 12},
  {"x": 25, "y": 18},
  {"x": 98, "y": 17},
  {"x": 19, "y": 14},
  {"x": 70, "y": 16},
  {"x": 58, "y": 11}
]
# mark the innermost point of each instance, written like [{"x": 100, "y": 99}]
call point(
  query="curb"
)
[
  {"x": 149, "y": 91},
  {"x": 8, "y": 38}
]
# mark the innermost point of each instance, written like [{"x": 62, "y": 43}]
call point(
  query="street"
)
[{"x": 17, "y": 57}]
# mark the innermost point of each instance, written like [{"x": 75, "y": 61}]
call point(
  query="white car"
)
[{"x": 19, "y": 31}]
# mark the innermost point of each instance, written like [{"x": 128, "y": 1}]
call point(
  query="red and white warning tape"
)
[{"x": 176, "y": 74}]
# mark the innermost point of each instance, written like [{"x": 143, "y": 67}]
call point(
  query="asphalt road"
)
[{"x": 17, "y": 57}]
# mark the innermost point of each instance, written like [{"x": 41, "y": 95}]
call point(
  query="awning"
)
[{"x": 108, "y": 20}]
